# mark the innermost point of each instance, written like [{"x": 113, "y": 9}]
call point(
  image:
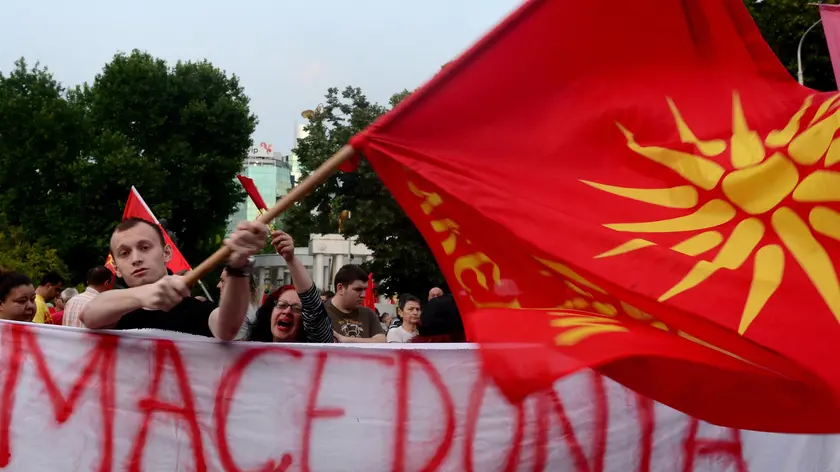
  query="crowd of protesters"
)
[{"x": 155, "y": 299}]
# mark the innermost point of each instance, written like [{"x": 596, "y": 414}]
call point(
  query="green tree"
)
[
  {"x": 68, "y": 158},
  {"x": 402, "y": 260},
  {"x": 188, "y": 128},
  {"x": 20, "y": 255},
  {"x": 782, "y": 23}
]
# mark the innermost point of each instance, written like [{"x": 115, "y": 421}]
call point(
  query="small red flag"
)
[
  {"x": 641, "y": 189},
  {"x": 370, "y": 299},
  {"x": 136, "y": 207},
  {"x": 251, "y": 188},
  {"x": 830, "y": 15}
]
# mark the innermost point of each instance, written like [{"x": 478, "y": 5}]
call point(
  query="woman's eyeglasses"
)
[{"x": 281, "y": 304}]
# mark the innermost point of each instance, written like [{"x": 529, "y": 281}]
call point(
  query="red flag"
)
[
  {"x": 253, "y": 192},
  {"x": 370, "y": 300},
  {"x": 830, "y": 15},
  {"x": 641, "y": 189},
  {"x": 136, "y": 207}
]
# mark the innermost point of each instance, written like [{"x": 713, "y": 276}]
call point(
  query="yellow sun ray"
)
[
  {"x": 713, "y": 213},
  {"x": 823, "y": 109},
  {"x": 767, "y": 276},
  {"x": 812, "y": 143},
  {"x": 825, "y": 221},
  {"x": 832, "y": 156},
  {"x": 820, "y": 186},
  {"x": 779, "y": 138},
  {"x": 778, "y": 176},
  {"x": 624, "y": 248},
  {"x": 708, "y": 148},
  {"x": 702, "y": 172},
  {"x": 746, "y": 147},
  {"x": 698, "y": 244},
  {"x": 684, "y": 196},
  {"x": 582, "y": 326},
  {"x": 578, "y": 290},
  {"x": 568, "y": 273},
  {"x": 810, "y": 255},
  {"x": 732, "y": 255}
]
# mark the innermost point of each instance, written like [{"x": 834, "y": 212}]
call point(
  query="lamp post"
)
[{"x": 800, "y": 70}]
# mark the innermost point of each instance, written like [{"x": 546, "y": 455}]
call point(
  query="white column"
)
[
  {"x": 318, "y": 271},
  {"x": 339, "y": 261}
]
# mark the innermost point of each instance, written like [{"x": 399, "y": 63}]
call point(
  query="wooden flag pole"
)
[{"x": 295, "y": 194}]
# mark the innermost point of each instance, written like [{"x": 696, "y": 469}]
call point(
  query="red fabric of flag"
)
[
  {"x": 251, "y": 188},
  {"x": 642, "y": 189},
  {"x": 136, "y": 207},
  {"x": 370, "y": 298}
]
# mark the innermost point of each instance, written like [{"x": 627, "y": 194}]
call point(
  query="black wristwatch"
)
[{"x": 241, "y": 272}]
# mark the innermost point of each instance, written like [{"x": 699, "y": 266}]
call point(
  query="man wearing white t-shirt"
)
[{"x": 410, "y": 308}]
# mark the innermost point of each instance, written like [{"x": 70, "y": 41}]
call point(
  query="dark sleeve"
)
[
  {"x": 375, "y": 325},
  {"x": 316, "y": 323},
  {"x": 197, "y": 320}
]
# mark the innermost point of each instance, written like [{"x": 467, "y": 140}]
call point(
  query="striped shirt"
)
[
  {"x": 74, "y": 308},
  {"x": 316, "y": 323}
]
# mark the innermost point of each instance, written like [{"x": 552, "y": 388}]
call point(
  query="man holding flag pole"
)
[{"x": 154, "y": 300}]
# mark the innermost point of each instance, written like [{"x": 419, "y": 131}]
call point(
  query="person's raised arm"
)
[
  {"x": 285, "y": 246},
  {"x": 226, "y": 320},
  {"x": 106, "y": 309},
  {"x": 316, "y": 323}
]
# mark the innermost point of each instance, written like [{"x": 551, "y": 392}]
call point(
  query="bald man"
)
[{"x": 435, "y": 292}]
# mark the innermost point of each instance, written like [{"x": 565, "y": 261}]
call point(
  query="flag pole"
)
[
  {"x": 204, "y": 289},
  {"x": 295, "y": 194}
]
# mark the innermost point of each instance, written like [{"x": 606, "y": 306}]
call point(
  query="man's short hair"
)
[
  {"x": 99, "y": 275},
  {"x": 349, "y": 274},
  {"x": 405, "y": 298},
  {"x": 328, "y": 293},
  {"x": 129, "y": 223},
  {"x": 51, "y": 278}
]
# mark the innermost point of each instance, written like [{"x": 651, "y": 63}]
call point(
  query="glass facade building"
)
[{"x": 272, "y": 176}]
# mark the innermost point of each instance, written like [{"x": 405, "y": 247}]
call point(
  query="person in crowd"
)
[
  {"x": 410, "y": 309},
  {"x": 292, "y": 313},
  {"x": 440, "y": 322},
  {"x": 159, "y": 301},
  {"x": 47, "y": 290},
  {"x": 99, "y": 279},
  {"x": 385, "y": 320},
  {"x": 352, "y": 322},
  {"x": 397, "y": 319},
  {"x": 435, "y": 292},
  {"x": 57, "y": 313},
  {"x": 326, "y": 295},
  {"x": 253, "y": 304},
  {"x": 17, "y": 297}
]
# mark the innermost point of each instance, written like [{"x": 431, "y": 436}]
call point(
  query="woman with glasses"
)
[{"x": 292, "y": 313}]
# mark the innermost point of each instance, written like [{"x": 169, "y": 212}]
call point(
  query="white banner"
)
[{"x": 77, "y": 401}]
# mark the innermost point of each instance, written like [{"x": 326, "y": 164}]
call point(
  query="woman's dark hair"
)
[
  {"x": 260, "y": 329},
  {"x": 10, "y": 280}
]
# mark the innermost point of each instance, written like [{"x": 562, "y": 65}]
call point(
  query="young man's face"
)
[
  {"x": 52, "y": 291},
  {"x": 139, "y": 256},
  {"x": 352, "y": 295}
]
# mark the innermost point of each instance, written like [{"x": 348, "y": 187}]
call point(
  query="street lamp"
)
[{"x": 800, "y": 71}]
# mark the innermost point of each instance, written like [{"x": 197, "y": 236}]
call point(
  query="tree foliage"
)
[
  {"x": 782, "y": 23},
  {"x": 69, "y": 157},
  {"x": 402, "y": 260},
  {"x": 20, "y": 255}
]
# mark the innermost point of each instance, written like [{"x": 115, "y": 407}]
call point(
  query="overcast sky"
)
[{"x": 286, "y": 53}]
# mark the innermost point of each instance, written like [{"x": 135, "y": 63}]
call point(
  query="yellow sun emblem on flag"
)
[{"x": 765, "y": 173}]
